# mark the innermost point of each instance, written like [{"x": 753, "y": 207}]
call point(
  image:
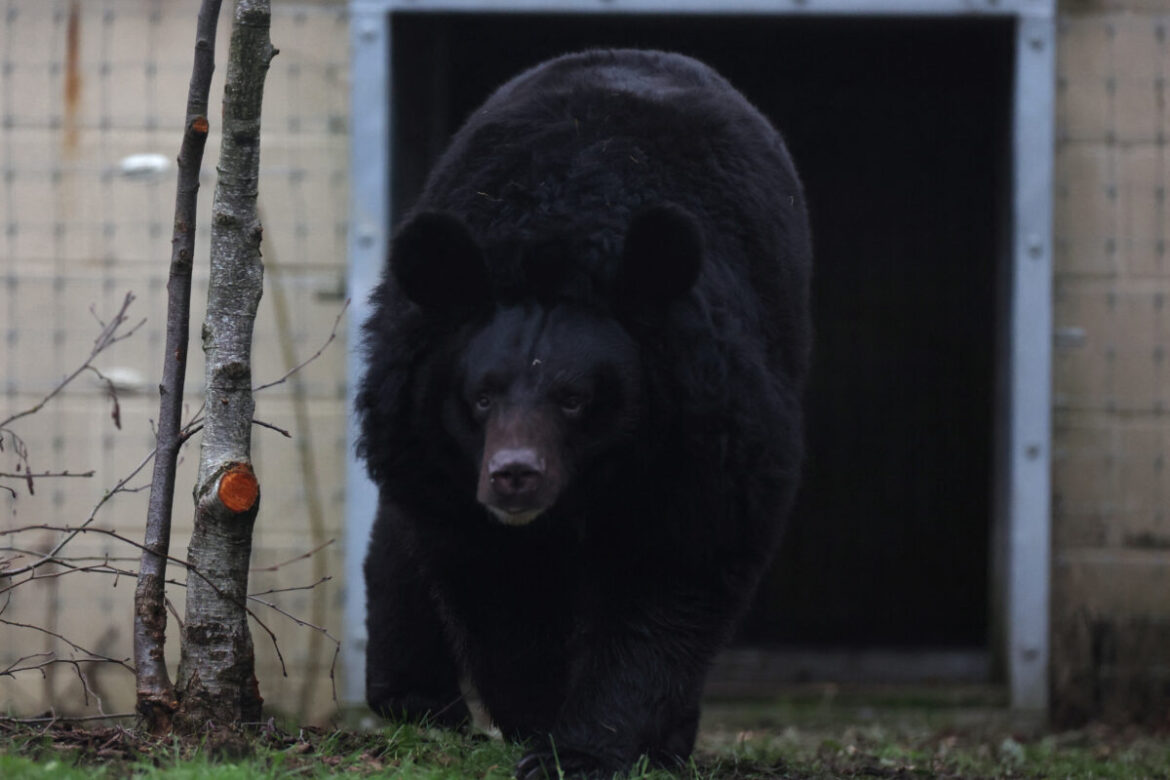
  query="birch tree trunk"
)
[
  {"x": 217, "y": 680},
  {"x": 155, "y": 693}
]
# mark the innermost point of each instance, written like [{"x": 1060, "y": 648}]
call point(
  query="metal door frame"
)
[{"x": 1021, "y": 528}]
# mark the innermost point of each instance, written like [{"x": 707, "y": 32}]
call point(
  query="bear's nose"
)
[{"x": 516, "y": 473}]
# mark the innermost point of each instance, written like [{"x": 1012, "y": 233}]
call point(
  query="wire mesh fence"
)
[
  {"x": 92, "y": 100},
  {"x": 1111, "y": 524}
]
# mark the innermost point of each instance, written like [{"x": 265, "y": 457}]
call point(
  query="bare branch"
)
[
  {"x": 156, "y": 696},
  {"x": 270, "y": 426},
  {"x": 46, "y": 474},
  {"x": 109, "y": 336},
  {"x": 92, "y": 655},
  {"x": 300, "y": 557},
  {"x": 72, "y": 532},
  {"x": 321, "y": 581},
  {"x": 15, "y": 667},
  {"x": 311, "y": 358}
]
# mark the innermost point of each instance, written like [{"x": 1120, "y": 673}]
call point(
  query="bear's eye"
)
[
  {"x": 573, "y": 405},
  {"x": 483, "y": 402}
]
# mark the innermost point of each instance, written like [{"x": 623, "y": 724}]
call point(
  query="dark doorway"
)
[{"x": 900, "y": 128}]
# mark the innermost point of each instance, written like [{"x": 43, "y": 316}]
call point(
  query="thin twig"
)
[
  {"x": 46, "y": 474},
  {"x": 92, "y": 655},
  {"x": 321, "y": 581},
  {"x": 300, "y": 557},
  {"x": 107, "y": 337},
  {"x": 311, "y": 358},
  {"x": 120, "y": 487},
  {"x": 270, "y": 426}
]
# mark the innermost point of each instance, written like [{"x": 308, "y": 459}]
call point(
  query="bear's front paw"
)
[{"x": 546, "y": 765}]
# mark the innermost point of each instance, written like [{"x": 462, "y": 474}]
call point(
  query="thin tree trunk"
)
[
  {"x": 156, "y": 694},
  {"x": 217, "y": 681}
]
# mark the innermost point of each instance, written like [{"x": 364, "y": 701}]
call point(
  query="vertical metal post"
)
[
  {"x": 1028, "y": 524},
  {"x": 369, "y": 216}
]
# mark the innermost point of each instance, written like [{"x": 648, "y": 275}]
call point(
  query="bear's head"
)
[{"x": 543, "y": 387}]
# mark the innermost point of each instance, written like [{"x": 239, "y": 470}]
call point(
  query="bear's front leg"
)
[
  {"x": 410, "y": 672},
  {"x": 636, "y": 678}
]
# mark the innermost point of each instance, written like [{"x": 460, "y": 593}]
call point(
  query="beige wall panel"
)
[
  {"x": 1143, "y": 178},
  {"x": 175, "y": 39},
  {"x": 1084, "y": 377},
  {"x": 1138, "y": 48},
  {"x": 34, "y": 241},
  {"x": 1144, "y": 487},
  {"x": 1084, "y": 51},
  {"x": 34, "y": 33},
  {"x": 35, "y": 90},
  {"x": 1085, "y": 214},
  {"x": 313, "y": 316},
  {"x": 283, "y": 466},
  {"x": 126, "y": 96},
  {"x": 1084, "y": 476},
  {"x": 1122, "y": 583},
  {"x": 1135, "y": 114},
  {"x": 1084, "y": 115},
  {"x": 1139, "y": 330},
  {"x": 1136, "y": 64},
  {"x": 33, "y": 200},
  {"x": 129, "y": 34},
  {"x": 1083, "y": 67}
]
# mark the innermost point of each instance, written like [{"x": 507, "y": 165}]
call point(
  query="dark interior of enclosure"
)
[{"x": 900, "y": 131}]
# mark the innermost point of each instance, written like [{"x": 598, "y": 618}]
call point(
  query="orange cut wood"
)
[{"x": 238, "y": 488}]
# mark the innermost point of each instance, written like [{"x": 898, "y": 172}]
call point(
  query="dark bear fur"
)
[{"x": 582, "y": 407}]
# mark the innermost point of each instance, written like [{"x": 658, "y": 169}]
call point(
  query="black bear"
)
[{"x": 582, "y": 407}]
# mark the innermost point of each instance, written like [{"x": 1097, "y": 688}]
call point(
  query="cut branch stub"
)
[{"x": 239, "y": 488}]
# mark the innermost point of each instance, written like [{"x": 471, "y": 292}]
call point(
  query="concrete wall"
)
[
  {"x": 1111, "y": 524},
  {"x": 76, "y": 233}
]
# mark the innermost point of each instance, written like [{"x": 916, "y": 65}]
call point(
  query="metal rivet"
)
[{"x": 1035, "y": 247}]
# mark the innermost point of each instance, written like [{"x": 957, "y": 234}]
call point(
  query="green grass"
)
[{"x": 875, "y": 734}]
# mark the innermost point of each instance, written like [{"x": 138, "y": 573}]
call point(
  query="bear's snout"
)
[
  {"x": 520, "y": 475},
  {"x": 516, "y": 474},
  {"x": 516, "y": 484}
]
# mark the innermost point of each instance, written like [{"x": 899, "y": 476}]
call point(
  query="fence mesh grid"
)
[
  {"x": 87, "y": 89},
  {"x": 1111, "y": 524}
]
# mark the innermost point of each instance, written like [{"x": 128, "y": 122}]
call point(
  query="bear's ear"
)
[
  {"x": 437, "y": 262},
  {"x": 661, "y": 256}
]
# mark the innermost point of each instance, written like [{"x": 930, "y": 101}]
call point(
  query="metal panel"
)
[
  {"x": 1027, "y": 521},
  {"x": 1029, "y": 434},
  {"x": 369, "y": 214}
]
